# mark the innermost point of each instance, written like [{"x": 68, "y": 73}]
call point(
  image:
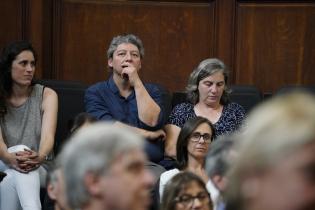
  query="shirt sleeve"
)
[
  {"x": 96, "y": 106},
  {"x": 239, "y": 115},
  {"x": 164, "y": 178},
  {"x": 180, "y": 114},
  {"x": 157, "y": 94}
]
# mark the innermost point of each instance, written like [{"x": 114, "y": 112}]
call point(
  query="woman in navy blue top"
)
[{"x": 207, "y": 94}]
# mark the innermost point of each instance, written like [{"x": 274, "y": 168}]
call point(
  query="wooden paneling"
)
[
  {"x": 275, "y": 44},
  {"x": 265, "y": 43},
  {"x": 10, "y": 21},
  {"x": 23, "y": 20},
  {"x": 176, "y": 37},
  {"x": 224, "y": 36}
]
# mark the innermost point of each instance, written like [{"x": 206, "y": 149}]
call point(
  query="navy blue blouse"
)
[{"x": 229, "y": 121}]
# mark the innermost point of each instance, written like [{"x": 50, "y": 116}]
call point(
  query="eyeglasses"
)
[
  {"x": 196, "y": 136},
  {"x": 188, "y": 200}
]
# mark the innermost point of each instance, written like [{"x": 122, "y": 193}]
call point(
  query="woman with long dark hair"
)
[
  {"x": 192, "y": 147},
  {"x": 28, "y": 116}
]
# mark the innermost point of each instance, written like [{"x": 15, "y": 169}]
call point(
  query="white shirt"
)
[{"x": 167, "y": 175}]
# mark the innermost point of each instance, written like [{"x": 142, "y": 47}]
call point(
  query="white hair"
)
[{"x": 91, "y": 150}]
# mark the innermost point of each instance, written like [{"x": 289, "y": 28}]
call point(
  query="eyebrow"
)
[
  {"x": 137, "y": 51},
  {"x": 23, "y": 60}
]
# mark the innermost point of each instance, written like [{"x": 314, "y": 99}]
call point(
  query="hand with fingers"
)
[
  {"x": 29, "y": 160},
  {"x": 130, "y": 73},
  {"x": 156, "y": 135},
  {"x": 14, "y": 161}
]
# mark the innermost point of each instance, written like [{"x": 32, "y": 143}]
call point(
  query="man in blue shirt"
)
[{"x": 125, "y": 100}]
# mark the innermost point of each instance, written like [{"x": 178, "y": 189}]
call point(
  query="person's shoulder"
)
[
  {"x": 153, "y": 87},
  {"x": 234, "y": 106},
  {"x": 49, "y": 95},
  {"x": 49, "y": 91},
  {"x": 170, "y": 173},
  {"x": 45, "y": 91},
  {"x": 97, "y": 86},
  {"x": 184, "y": 106}
]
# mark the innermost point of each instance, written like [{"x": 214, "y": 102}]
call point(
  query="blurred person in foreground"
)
[
  {"x": 56, "y": 188},
  {"x": 104, "y": 168},
  {"x": 218, "y": 161},
  {"x": 275, "y": 169},
  {"x": 55, "y": 183}
]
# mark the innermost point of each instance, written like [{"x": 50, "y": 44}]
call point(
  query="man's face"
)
[
  {"x": 127, "y": 184},
  {"x": 125, "y": 55},
  {"x": 57, "y": 192},
  {"x": 290, "y": 184}
]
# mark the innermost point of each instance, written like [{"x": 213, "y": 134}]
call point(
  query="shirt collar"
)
[{"x": 113, "y": 87}]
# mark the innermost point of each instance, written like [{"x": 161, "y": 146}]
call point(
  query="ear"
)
[
  {"x": 220, "y": 182},
  {"x": 51, "y": 191},
  {"x": 110, "y": 62},
  {"x": 92, "y": 184}
]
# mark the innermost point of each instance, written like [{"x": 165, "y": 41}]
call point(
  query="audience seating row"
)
[{"x": 71, "y": 101}]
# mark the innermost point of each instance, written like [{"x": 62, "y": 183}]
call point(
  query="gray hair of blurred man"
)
[
  {"x": 219, "y": 156},
  {"x": 92, "y": 150},
  {"x": 275, "y": 129}
]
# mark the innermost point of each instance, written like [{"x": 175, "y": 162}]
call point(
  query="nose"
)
[
  {"x": 29, "y": 67},
  {"x": 203, "y": 139},
  {"x": 214, "y": 88},
  {"x": 196, "y": 204},
  {"x": 128, "y": 56}
]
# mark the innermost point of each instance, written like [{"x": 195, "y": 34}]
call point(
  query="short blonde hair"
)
[{"x": 273, "y": 131}]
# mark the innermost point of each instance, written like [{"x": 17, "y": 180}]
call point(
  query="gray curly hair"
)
[{"x": 120, "y": 39}]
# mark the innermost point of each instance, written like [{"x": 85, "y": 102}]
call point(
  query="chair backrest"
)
[
  {"x": 248, "y": 96},
  {"x": 166, "y": 101},
  {"x": 290, "y": 88},
  {"x": 178, "y": 97},
  {"x": 70, "y": 103}
]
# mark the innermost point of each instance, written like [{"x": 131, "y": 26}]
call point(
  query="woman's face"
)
[
  {"x": 23, "y": 68},
  {"x": 193, "y": 197},
  {"x": 198, "y": 143},
  {"x": 211, "y": 88}
]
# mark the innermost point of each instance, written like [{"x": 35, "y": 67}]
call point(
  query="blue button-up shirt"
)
[{"x": 103, "y": 101}]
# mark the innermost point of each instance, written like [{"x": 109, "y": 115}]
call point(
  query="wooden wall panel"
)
[
  {"x": 176, "y": 37},
  {"x": 265, "y": 43},
  {"x": 10, "y": 21},
  {"x": 24, "y": 20},
  {"x": 275, "y": 44}
]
